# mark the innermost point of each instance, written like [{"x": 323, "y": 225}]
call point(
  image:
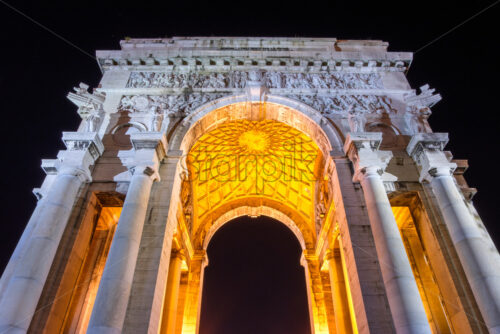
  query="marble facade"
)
[{"x": 117, "y": 243}]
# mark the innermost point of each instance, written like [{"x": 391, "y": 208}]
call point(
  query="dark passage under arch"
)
[{"x": 254, "y": 282}]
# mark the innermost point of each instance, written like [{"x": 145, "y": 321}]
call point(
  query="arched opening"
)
[
  {"x": 254, "y": 282},
  {"x": 240, "y": 160}
]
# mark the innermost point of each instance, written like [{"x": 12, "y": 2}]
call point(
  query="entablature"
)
[{"x": 230, "y": 54}]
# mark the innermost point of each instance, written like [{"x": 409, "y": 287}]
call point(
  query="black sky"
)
[{"x": 38, "y": 70}]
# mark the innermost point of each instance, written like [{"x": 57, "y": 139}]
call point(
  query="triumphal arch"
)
[{"x": 183, "y": 135}]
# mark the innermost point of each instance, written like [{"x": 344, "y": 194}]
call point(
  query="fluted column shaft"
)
[
  {"x": 28, "y": 278},
  {"x": 406, "y": 305},
  {"x": 402, "y": 291},
  {"x": 477, "y": 253},
  {"x": 479, "y": 257},
  {"x": 20, "y": 249},
  {"x": 113, "y": 294}
]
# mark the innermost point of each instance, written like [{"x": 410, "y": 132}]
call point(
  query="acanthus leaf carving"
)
[
  {"x": 426, "y": 98},
  {"x": 90, "y": 106}
]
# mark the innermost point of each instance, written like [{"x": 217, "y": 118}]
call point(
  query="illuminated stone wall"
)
[{"x": 184, "y": 134}]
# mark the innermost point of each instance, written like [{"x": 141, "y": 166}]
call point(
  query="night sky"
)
[
  {"x": 39, "y": 69},
  {"x": 254, "y": 262}
]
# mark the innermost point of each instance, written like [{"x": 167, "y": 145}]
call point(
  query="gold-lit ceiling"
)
[{"x": 255, "y": 160}]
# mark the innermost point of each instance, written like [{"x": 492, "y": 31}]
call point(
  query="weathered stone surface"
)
[{"x": 337, "y": 112}]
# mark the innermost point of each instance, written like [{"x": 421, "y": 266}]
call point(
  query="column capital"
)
[
  {"x": 150, "y": 148},
  {"x": 150, "y": 141},
  {"x": 84, "y": 141},
  {"x": 426, "y": 149},
  {"x": 82, "y": 151},
  {"x": 362, "y": 148},
  {"x": 330, "y": 254},
  {"x": 59, "y": 167}
]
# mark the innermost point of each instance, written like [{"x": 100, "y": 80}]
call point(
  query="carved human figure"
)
[
  {"x": 274, "y": 79},
  {"x": 416, "y": 119},
  {"x": 255, "y": 76},
  {"x": 157, "y": 119}
]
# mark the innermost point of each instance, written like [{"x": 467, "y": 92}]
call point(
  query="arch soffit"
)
[
  {"x": 307, "y": 120},
  {"x": 254, "y": 211},
  {"x": 250, "y": 206}
]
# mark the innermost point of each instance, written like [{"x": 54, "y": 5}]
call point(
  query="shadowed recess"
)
[{"x": 254, "y": 284}]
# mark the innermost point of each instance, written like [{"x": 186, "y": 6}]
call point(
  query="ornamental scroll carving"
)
[
  {"x": 187, "y": 200},
  {"x": 172, "y": 105},
  {"x": 342, "y": 104},
  {"x": 238, "y": 79},
  {"x": 324, "y": 193}
]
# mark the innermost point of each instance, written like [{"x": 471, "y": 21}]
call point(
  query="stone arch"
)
[
  {"x": 233, "y": 108},
  {"x": 298, "y": 214},
  {"x": 307, "y": 119},
  {"x": 266, "y": 207},
  {"x": 253, "y": 211},
  {"x": 389, "y": 132}
]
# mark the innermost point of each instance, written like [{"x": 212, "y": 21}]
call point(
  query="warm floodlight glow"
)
[
  {"x": 254, "y": 141},
  {"x": 424, "y": 275},
  {"x": 253, "y": 159}
]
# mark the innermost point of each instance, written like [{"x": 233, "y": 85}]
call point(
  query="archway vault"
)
[
  {"x": 253, "y": 163},
  {"x": 250, "y": 158}
]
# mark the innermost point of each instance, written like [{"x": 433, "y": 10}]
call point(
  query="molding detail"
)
[{"x": 152, "y": 141}]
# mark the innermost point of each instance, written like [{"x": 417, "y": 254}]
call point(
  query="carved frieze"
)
[
  {"x": 342, "y": 104},
  {"x": 172, "y": 105},
  {"x": 180, "y": 105},
  {"x": 238, "y": 79}
]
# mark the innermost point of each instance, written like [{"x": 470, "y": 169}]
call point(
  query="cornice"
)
[
  {"x": 247, "y": 53},
  {"x": 352, "y": 62}
]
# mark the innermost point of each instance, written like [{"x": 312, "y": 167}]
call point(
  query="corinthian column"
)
[
  {"x": 475, "y": 249},
  {"x": 406, "y": 306},
  {"x": 36, "y": 254},
  {"x": 113, "y": 294}
]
